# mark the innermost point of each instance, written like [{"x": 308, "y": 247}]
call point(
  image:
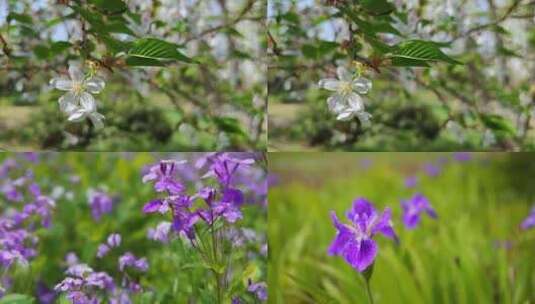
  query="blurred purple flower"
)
[
  {"x": 462, "y": 156},
  {"x": 529, "y": 222},
  {"x": 258, "y": 289},
  {"x": 432, "y": 170},
  {"x": 412, "y": 209},
  {"x": 354, "y": 242},
  {"x": 130, "y": 260},
  {"x": 102, "y": 250},
  {"x": 45, "y": 294},
  {"x": 160, "y": 233},
  {"x": 114, "y": 240},
  {"x": 100, "y": 202},
  {"x": 163, "y": 175},
  {"x": 411, "y": 181}
]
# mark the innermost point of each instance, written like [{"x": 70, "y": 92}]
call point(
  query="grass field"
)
[{"x": 475, "y": 252}]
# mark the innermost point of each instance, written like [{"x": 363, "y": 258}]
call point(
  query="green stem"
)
[{"x": 369, "y": 292}]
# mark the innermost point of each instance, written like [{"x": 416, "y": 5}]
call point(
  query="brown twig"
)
[{"x": 5, "y": 47}]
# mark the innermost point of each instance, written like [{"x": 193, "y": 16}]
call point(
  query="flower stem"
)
[{"x": 369, "y": 292}]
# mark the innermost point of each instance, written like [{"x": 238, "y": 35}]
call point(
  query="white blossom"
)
[
  {"x": 78, "y": 103},
  {"x": 346, "y": 101}
]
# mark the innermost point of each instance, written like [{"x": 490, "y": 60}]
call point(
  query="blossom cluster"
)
[
  {"x": 26, "y": 210},
  {"x": 83, "y": 285},
  {"x": 208, "y": 193}
]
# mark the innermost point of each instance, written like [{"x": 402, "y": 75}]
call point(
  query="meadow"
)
[
  {"x": 132, "y": 228},
  {"x": 475, "y": 251}
]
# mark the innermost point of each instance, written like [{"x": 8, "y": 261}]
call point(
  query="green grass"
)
[{"x": 451, "y": 260}]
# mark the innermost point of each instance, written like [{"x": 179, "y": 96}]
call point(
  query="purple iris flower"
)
[
  {"x": 529, "y": 222},
  {"x": 164, "y": 177},
  {"x": 432, "y": 170},
  {"x": 411, "y": 181},
  {"x": 412, "y": 209},
  {"x": 354, "y": 241}
]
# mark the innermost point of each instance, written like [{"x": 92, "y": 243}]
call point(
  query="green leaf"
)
[
  {"x": 112, "y": 6},
  {"x": 407, "y": 62},
  {"x": 59, "y": 47},
  {"x": 22, "y": 18},
  {"x": 377, "y": 7},
  {"x": 17, "y": 299},
  {"x": 41, "y": 51},
  {"x": 229, "y": 125},
  {"x": 498, "y": 123},
  {"x": 422, "y": 51},
  {"x": 156, "y": 50},
  {"x": 141, "y": 61}
]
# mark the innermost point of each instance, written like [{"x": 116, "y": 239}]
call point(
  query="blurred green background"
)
[
  {"x": 474, "y": 253},
  {"x": 175, "y": 274}
]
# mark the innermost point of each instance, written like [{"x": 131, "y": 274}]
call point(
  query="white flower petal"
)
[
  {"x": 345, "y": 115},
  {"x": 95, "y": 85},
  {"x": 68, "y": 103},
  {"x": 61, "y": 83},
  {"x": 336, "y": 103},
  {"x": 344, "y": 74},
  {"x": 330, "y": 84},
  {"x": 76, "y": 73},
  {"x": 354, "y": 102},
  {"x": 77, "y": 115},
  {"x": 87, "y": 102},
  {"x": 362, "y": 85}
]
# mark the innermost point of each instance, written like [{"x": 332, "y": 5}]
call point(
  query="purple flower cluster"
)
[
  {"x": 83, "y": 285},
  {"x": 222, "y": 202},
  {"x": 207, "y": 194},
  {"x": 27, "y": 210},
  {"x": 354, "y": 241}
]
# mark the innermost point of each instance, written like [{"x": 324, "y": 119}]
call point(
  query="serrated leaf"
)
[
  {"x": 407, "y": 62},
  {"x": 158, "y": 50},
  {"x": 142, "y": 61},
  {"x": 421, "y": 50}
]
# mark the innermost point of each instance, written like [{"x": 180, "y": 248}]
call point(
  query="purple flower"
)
[
  {"x": 411, "y": 181},
  {"x": 412, "y": 209},
  {"x": 45, "y": 294},
  {"x": 114, "y": 240},
  {"x": 432, "y": 170},
  {"x": 160, "y": 233},
  {"x": 163, "y": 175},
  {"x": 102, "y": 250},
  {"x": 130, "y": 260},
  {"x": 462, "y": 156},
  {"x": 100, "y": 203},
  {"x": 223, "y": 166},
  {"x": 354, "y": 241},
  {"x": 258, "y": 289},
  {"x": 529, "y": 222}
]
